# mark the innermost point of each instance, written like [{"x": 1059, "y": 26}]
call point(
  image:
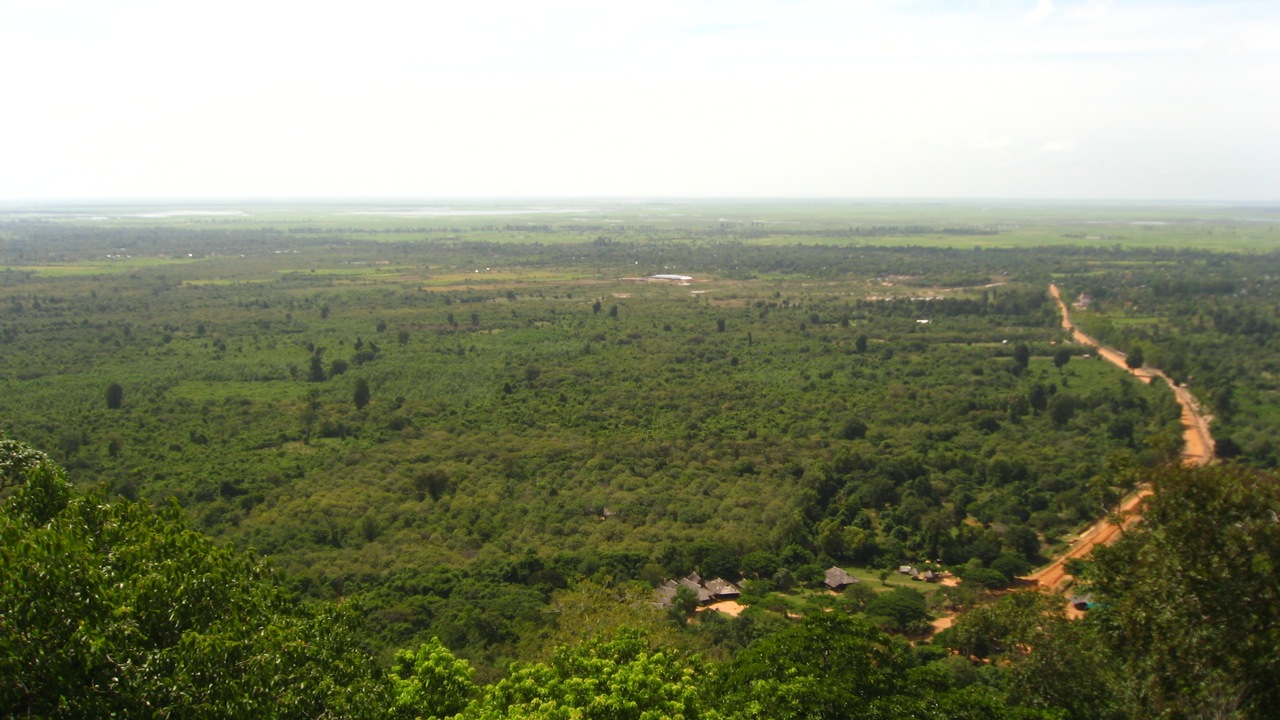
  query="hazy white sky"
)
[{"x": 777, "y": 98}]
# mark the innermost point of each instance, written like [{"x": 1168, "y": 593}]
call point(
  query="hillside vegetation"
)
[{"x": 111, "y": 608}]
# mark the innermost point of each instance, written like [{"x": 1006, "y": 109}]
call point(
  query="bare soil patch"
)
[{"x": 728, "y": 607}]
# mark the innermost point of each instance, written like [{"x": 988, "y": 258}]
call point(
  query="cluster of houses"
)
[
  {"x": 914, "y": 574},
  {"x": 708, "y": 592},
  {"x": 712, "y": 591}
]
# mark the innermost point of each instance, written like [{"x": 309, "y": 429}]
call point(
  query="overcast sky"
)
[{"x": 741, "y": 98}]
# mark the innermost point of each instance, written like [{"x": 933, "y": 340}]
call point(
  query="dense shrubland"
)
[
  {"x": 112, "y": 608},
  {"x": 452, "y": 431},
  {"x": 472, "y": 433}
]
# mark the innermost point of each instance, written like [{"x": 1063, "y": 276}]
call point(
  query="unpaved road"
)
[
  {"x": 1054, "y": 577},
  {"x": 1198, "y": 450}
]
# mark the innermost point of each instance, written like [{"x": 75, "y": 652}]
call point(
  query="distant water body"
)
[{"x": 189, "y": 213}]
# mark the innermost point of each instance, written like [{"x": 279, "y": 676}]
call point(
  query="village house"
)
[
  {"x": 838, "y": 579},
  {"x": 709, "y": 592}
]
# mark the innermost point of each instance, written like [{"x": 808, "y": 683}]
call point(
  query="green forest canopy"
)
[
  {"x": 450, "y": 424},
  {"x": 110, "y": 607}
]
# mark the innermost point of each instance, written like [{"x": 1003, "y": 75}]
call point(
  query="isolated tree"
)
[
  {"x": 1134, "y": 359},
  {"x": 317, "y": 373},
  {"x": 595, "y": 308},
  {"x": 1022, "y": 540},
  {"x": 361, "y": 394},
  {"x": 1022, "y": 355},
  {"x": 613, "y": 311},
  {"x": 1061, "y": 358},
  {"x": 684, "y": 604},
  {"x": 853, "y": 429},
  {"x": 115, "y": 396},
  {"x": 1039, "y": 397},
  {"x": 1062, "y": 408},
  {"x": 759, "y": 564},
  {"x": 337, "y": 367},
  {"x": 903, "y": 607},
  {"x": 861, "y": 343}
]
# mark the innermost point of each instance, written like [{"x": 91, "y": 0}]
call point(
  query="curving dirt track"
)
[
  {"x": 1197, "y": 450},
  {"x": 1198, "y": 441}
]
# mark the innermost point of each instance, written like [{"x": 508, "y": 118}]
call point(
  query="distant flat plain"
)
[{"x": 927, "y": 223}]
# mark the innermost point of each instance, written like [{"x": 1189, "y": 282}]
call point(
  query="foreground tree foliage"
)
[
  {"x": 621, "y": 679},
  {"x": 431, "y": 682},
  {"x": 111, "y": 609},
  {"x": 1190, "y": 601},
  {"x": 1046, "y": 660},
  {"x": 833, "y": 666},
  {"x": 1186, "y": 617}
]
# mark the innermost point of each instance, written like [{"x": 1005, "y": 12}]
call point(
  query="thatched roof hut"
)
[
  {"x": 837, "y": 579},
  {"x": 722, "y": 589}
]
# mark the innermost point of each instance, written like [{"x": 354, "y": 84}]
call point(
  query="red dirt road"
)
[
  {"x": 1198, "y": 450},
  {"x": 1054, "y": 578}
]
